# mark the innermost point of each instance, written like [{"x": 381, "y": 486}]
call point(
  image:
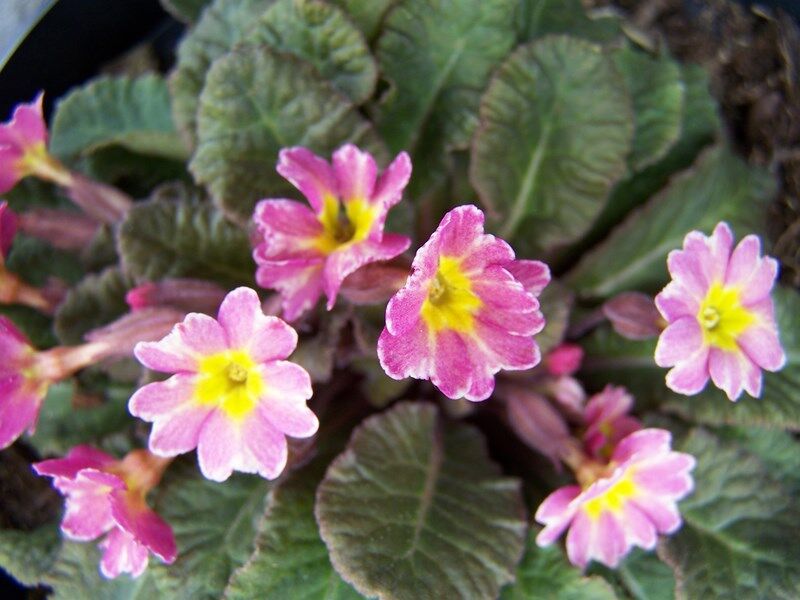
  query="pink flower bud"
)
[
  {"x": 537, "y": 423},
  {"x": 62, "y": 229},
  {"x": 633, "y": 315},
  {"x": 188, "y": 295},
  {"x": 564, "y": 360}
]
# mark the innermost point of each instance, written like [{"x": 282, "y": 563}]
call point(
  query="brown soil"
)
[{"x": 753, "y": 56}]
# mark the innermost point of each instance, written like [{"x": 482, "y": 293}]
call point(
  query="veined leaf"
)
[
  {"x": 27, "y": 555},
  {"x": 290, "y": 560},
  {"x": 740, "y": 524},
  {"x": 321, "y": 34},
  {"x": 366, "y": 15},
  {"x": 255, "y": 102},
  {"x": 414, "y": 508},
  {"x": 545, "y": 573},
  {"x": 720, "y": 187},
  {"x": 221, "y": 27},
  {"x": 183, "y": 236},
  {"x": 437, "y": 57},
  {"x": 538, "y": 18},
  {"x": 132, "y": 113},
  {"x": 658, "y": 94},
  {"x": 556, "y": 128}
]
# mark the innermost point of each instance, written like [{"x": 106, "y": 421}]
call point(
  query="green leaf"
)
[
  {"x": 136, "y": 174},
  {"x": 132, "y": 113},
  {"x": 176, "y": 234},
  {"x": 556, "y": 128},
  {"x": 76, "y": 575},
  {"x": 366, "y": 15},
  {"x": 414, "y": 508},
  {"x": 740, "y": 528},
  {"x": 720, "y": 187},
  {"x": 38, "y": 328},
  {"x": 322, "y": 35},
  {"x": 96, "y": 300},
  {"x": 545, "y": 573},
  {"x": 27, "y": 555},
  {"x": 188, "y": 11},
  {"x": 779, "y": 405},
  {"x": 62, "y": 426},
  {"x": 290, "y": 560},
  {"x": 35, "y": 261},
  {"x": 438, "y": 57},
  {"x": 538, "y": 18},
  {"x": 556, "y": 302},
  {"x": 778, "y": 450},
  {"x": 646, "y": 577},
  {"x": 214, "y": 525},
  {"x": 255, "y": 102},
  {"x": 220, "y": 28},
  {"x": 658, "y": 94},
  {"x": 699, "y": 125}
]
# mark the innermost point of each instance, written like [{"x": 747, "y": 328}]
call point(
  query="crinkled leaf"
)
[
  {"x": 366, "y": 15},
  {"x": 556, "y": 128},
  {"x": 76, "y": 575},
  {"x": 132, "y": 113},
  {"x": 538, "y": 18},
  {"x": 220, "y": 28},
  {"x": 437, "y": 57},
  {"x": 740, "y": 528},
  {"x": 658, "y": 94},
  {"x": 414, "y": 508},
  {"x": 188, "y": 11},
  {"x": 545, "y": 573},
  {"x": 214, "y": 525},
  {"x": 96, "y": 300},
  {"x": 779, "y": 405},
  {"x": 62, "y": 426},
  {"x": 778, "y": 450},
  {"x": 720, "y": 187},
  {"x": 35, "y": 261},
  {"x": 646, "y": 577},
  {"x": 290, "y": 559},
  {"x": 322, "y": 35},
  {"x": 699, "y": 125},
  {"x": 27, "y": 555},
  {"x": 134, "y": 173},
  {"x": 183, "y": 236},
  {"x": 255, "y": 102}
]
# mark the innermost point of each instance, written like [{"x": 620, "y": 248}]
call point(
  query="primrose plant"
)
[{"x": 445, "y": 296}]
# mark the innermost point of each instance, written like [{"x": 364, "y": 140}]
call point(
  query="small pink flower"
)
[
  {"x": 305, "y": 252},
  {"x": 607, "y": 421},
  {"x": 232, "y": 397},
  {"x": 564, "y": 360},
  {"x": 23, "y": 144},
  {"x": 720, "y": 314},
  {"x": 8, "y": 229},
  {"x": 21, "y": 390},
  {"x": 463, "y": 315},
  {"x": 629, "y": 506},
  {"x": 105, "y": 495}
]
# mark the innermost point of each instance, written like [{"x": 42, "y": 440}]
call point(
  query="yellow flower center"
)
[
  {"x": 230, "y": 380},
  {"x": 451, "y": 303},
  {"x": 722, "y": 317},
  {"x": 614, "y": 498},
  {"x": 344, "y": 224}
]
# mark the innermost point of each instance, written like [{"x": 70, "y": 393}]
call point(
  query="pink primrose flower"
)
[
  {"x": 105, "y": 495},
  {"x": 633, "y": 501},
  {"x": 23, "y": 146},
  {"x": 307, "y": 251},
  {"x": 21, "y": 390},
  {"x": 233, "y": 396},
  {"x": 720, "y": 314},
  {"x": 564, "y": 360},
  {"x": 463, "y": 314},
  {"x": 607, "y": 421}
]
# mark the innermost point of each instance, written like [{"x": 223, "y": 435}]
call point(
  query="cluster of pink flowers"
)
[{"x": 467, "y": 310}]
